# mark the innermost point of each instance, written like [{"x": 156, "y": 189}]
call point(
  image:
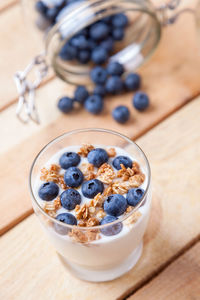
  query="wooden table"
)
[{"x": 169, "y": 134}]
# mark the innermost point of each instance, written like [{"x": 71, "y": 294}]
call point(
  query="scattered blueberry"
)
[
  {"x": 124, "y": 160},
  {"x": 120, "y": 20},
  {"x": 118, "y": 34},
  {"x": 84, "y": 56},
  {"x": 68, "y": 52},
  {"x": 114, "y": 85},
  {"x": 99, "y": 55},
  {"x": 115, "y": 68},
  {"x": 134, "y": 196},
  {"x": 115, "y": 205},
  {"x": 91, "y": 188},
  {"x": 41, "y": 7},
  {"x": 140, "y": 101},
  {"x": 98, "y": 75},
  {"x": 66, "y": 218},
  {"x": 112, "y": 229},
  {"x": 108, "y": 44},
  {"x": 121, "y": 114},
  {"x": 73, "y": 177},
  {"x": 99, "y": 90},
  {"x": 69, "y": 159},
  {"x": 94, "y": 104},
  {"x": 97, "y": 157},
  {"x": 81, "y": 94},
  {"x": 132, "y": 82},
  {"x": 70, "y": 198},
  {"x": 99, "y": 31},
  {"x": 66, "y": 104},
  {"x": 48, "y": 191}
]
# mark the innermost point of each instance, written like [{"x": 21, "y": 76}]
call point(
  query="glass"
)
[{"x": 79, "y": 248}]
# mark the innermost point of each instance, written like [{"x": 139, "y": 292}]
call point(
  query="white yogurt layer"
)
[{"x": 108, "y": 251}]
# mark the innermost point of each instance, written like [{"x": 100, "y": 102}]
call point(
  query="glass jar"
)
[
  {"x": 91, "y": 253},
  {"x": 141, "y": 36}
]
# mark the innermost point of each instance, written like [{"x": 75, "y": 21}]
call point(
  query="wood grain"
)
[
  {"x": 180, "y": 281},
  {"x": 174, "y": 222}
]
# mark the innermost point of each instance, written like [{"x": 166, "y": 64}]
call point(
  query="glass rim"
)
[{"x": 126, "y": 216}]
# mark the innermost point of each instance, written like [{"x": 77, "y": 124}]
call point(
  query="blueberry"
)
[
  {"x": 98, "y": 75},
  {"x": 124, "y": 160},
  {"x": 107, "y": 20},
  {"x": 66, "y": 218},
  {"x": 132, "y": 82},
  {"x": 97, "y": 157},
  {"x": 121, "y": 114},
  {"x": 70, "y": 198},
  {"x": 73, "y": 177},
  {"x": 91, "y": 188},
  {"x": 99, "y": 55},
  {"x": 112, "y": 229},
  {"x": 48, "y": 191},
  {"x": 99, "y": 31},
  {"x": 118, "y": 34},
  {"x": 69, "y": 159},
  {"x": 41, "y": 7},
  {"x": 80, "y": 42},
  {"x": 115, "y": 205},
  {"x": 115, "y": 68},
  {"x": 140, "y": 101},
  {"x": 114, "y": 85},
  {"x": 66, "y": 104},
  {"x": 92, "y": 44},
  {"x": 84, "y": 56},
  {"x": 99, "y": 90},
  {"x": 134, "y": 196},
  {"x": 81, "y": 94},
  {"x": 108, "y": 44},
  {"x": 68, "y": 52},
  {"x": 94, "y": 104},
  {"x": 120, "y": 20}
]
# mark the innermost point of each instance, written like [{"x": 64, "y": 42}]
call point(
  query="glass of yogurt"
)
[{"x": 91, "y": 191}]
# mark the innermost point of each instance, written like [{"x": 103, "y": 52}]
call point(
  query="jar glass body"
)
[{"x": 140, "y": 40}]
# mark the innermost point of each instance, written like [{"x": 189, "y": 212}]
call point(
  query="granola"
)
[
  {"x": 111, "y": 152},
  {"x": 53, "y": 174},
  {"x": 52, "y": 207},
  {"x": 85, "y": 149},
  {"x": 106, "y": 173}
]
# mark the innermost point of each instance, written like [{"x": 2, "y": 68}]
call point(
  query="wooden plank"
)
[
  {"x": 172, "y": 55},
  {"x": 18, "y": 47},
  {"x": 5, "y": 4},
  {"x": 180, "y": 281},
  {"x": 174, "y": 222}
]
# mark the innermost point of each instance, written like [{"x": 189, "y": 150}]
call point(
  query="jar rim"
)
[{"x": 84, "y": 131}]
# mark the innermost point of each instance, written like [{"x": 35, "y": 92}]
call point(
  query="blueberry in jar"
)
[
  {"x": 68, "y": 52},
  {"x": 99, "y": 31},
  {"x": 48, "y": 191},
  {"x": 119, "y": 20},
  {"x": 112, "y": 229},
  {"x": 99, "y": 55},
  {"x": 122, "y": 160},
  {"x": 94, "y": 104},
  {"x": 69, "y": 159},
  {"x": 92, "y": 187},
  {"x": 73, "y": 177},
  {"x": 70, "y": 198},
  {"x": 121, "y": 114},
  {"x": 97, "y": 157},
  {"x": 115, "y": 205},
  {"x": 115, "y": 68}
]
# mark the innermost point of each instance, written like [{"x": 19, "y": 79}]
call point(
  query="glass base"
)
[{"x": 104, "y": 275}]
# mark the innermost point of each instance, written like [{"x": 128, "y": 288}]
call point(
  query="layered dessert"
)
[{"x": 94, "y": 194}]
